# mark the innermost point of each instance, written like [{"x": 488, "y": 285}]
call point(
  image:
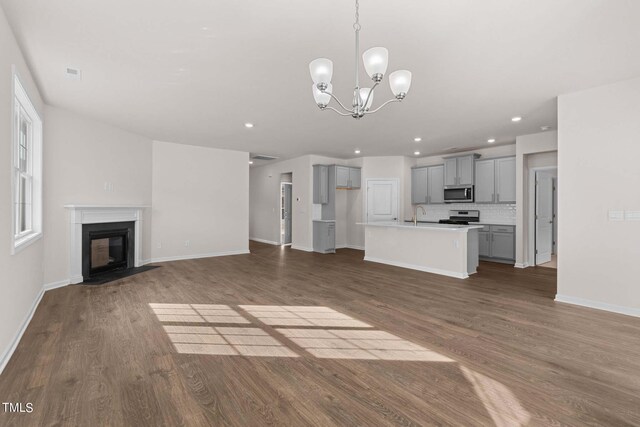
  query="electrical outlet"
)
[
  {"x": 456, "y": 244},
  {"x": 187, "y": 243},
  {"x": 159, "y": 245},
  {"x": 108, "y": 187}
]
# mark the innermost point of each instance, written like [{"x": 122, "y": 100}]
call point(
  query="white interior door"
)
[
  {"x": 382, "y": 200},
  {"x": 544, "y": 217}
]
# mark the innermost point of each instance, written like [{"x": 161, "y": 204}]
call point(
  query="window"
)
[{"x": 27, "y": 169}]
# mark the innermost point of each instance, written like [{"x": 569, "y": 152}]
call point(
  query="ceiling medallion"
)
[{"x": 375, "y": 61}]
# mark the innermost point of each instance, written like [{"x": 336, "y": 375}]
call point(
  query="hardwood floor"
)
[{"x": 101, "y": 356}]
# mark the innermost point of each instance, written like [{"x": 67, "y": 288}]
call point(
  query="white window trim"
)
[{"x": 20, "y": 242}]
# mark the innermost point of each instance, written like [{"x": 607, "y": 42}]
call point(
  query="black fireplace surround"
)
[{"x": 107, "y": 247}]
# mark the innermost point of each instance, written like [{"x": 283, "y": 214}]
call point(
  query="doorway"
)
[
  {"x": 286, "y": 195},
  {"x": 546, "y": 218},
  {"x": 382, "y": 200}
]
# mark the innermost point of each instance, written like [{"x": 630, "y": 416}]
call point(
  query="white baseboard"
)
[
  {"x": 629, "y": 311},
  {"x": 521, "y": 265},
  {"x": 6, "y": 356},
  {"x": 418, "y": 267},
  {"x": 198, "y": 256},
  {"x": 268, "y": 242},
  {"x": 301, "y": 248},
  {"x": 56, "y": 285},
  {"x": 76, "y": 279}
]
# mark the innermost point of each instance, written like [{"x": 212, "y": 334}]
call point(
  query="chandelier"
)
[{"x": 375, "y": 61}]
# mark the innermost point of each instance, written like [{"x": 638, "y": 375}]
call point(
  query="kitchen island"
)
[{"x": 450, "y": 250}]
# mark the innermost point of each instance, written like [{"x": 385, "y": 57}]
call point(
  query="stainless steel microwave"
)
[{"x": 459, "y": 194}]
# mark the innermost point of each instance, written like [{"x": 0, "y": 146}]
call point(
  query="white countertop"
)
[
  {"x": 422, "y": 226},
  {"x": 474, "y": 223}
]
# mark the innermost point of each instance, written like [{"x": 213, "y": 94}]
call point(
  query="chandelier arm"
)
[
  {"x": 364, "y": 106},
  {"x": 340, "y": 103},
  {"x": 380, "y": 107},
  {"x": 339, "y": 112}
]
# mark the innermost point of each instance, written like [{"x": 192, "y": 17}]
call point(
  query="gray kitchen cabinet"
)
[
  {"x": 320, "y": 184},
  {"x": 497, "y": 243},
  {"x": 485, "y": 181},
  {"x": 419, "y": 186},
  {"x": 435, "y": 183},
  {"x": 506, "y": 180},
  {"x": 427, "y": 185},
  {"x": 484, "y": 239},
  {"x": 451, "y": 171},
  {"x": 355, "y": 178},
  {"x": 459, "y": 170},
  {"x": 324, "y": 237},
  {"x": 342, "y": 177},
  {"x": 495, "y": 180},
  {"x": 502, "y": 245},
  {"x": 348, "y": 177}
]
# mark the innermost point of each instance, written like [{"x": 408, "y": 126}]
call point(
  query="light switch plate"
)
[
  {"x": 616, "y": 215},
  {"x": 632, "y": 215}
]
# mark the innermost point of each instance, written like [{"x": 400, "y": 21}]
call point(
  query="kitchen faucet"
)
[{"x": 415, "y": 214}]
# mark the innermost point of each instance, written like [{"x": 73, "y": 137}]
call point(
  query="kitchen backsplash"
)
[{"x": 489, "y": 214}]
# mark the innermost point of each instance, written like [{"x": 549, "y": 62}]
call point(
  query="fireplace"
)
[
  {"x": 107, "y": 247},
  {"x": 120, "y": 217}
]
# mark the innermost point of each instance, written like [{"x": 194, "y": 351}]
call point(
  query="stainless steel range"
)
[{"x": 461, "y": 217}]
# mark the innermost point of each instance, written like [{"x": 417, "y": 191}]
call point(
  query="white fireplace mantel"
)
[{"x": 96, "y": 214}]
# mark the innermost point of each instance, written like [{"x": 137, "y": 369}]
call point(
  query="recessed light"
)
[
  {"x": 248, "y": 125},
  {"x": 491, "y": 140},
  {"x": 516, "y": 119},
  {"x": 204, "y": 28},
  {"x": 416, "y": 153},
  {"x": 250, "y": 162},
  {"x": 417, "y": 139},
  {"x": 357, "y": 151}
]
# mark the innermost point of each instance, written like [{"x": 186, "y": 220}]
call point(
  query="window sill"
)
[{"x": 25, "y": 241}]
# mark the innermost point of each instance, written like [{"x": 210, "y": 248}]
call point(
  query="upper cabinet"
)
[
  {"x": 427, "y": 185},
  {"x": 495, "y": 180},
  {"x": 348, "y": 177},
  {"x": 320, "y": 184},
  {"x": 419, "y": 186},
  {"x": 436, "y": 184},
  {"x": 459, "y": 170},
  {"x": 506, "y": 180}
]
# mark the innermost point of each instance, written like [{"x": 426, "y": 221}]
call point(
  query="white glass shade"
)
[
  {"x": 400, "y": 82},
  {"x": 321, "y": 70},
  {"x": 364, "y": 92},
  {"x": 376, "y": 60},
  {"x": 320, "y": 97}
]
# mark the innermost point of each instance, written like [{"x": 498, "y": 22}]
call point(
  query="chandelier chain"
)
[{"x": 356, "y": 25}]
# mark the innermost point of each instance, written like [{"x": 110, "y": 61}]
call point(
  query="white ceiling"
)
[{"x": 194, "y": 71}]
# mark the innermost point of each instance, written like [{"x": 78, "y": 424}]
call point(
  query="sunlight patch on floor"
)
[
  {"x": 225, "y": 341},
  {"x": 197, "y": 313},
  {"x": 360, "y": 344},
  {"x": 283, "y": 315},
  {"x": 503, "y": 406}
]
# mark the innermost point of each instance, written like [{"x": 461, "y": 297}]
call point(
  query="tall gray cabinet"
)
[{"x": 326, "y": 179}]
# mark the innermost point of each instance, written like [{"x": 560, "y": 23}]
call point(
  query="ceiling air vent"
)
[
  {"x": 73, "y": 73},
  {"x": 262, "y": 157}
]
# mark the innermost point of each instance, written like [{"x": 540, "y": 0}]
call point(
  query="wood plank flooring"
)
[{"x": 99, "y": 355}]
